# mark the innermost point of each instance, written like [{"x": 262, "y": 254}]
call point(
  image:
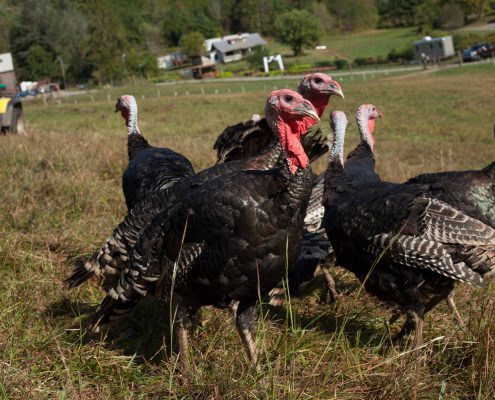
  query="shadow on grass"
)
[
  {"x": 355, "y": 323},
  {"x": 143, "y": 334}
]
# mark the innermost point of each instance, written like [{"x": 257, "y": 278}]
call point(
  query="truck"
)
[{"x": 11, "y": 119}]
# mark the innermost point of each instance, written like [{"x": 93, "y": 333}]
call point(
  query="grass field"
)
[
  {"x": 61, "y": 196},
  {"x": 350, "y": 46}
]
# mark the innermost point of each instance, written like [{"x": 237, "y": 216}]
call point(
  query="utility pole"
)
[{"x": 61, "y": 61}]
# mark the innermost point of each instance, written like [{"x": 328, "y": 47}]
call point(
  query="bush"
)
[
  {"x": 255, "y": 59},
  {"x": 340, "y": 63},
  {"x": 406, "y": 54},
  {"x": 360, "y": 61},
  {"x": 325, "y": 63},
  {"x": 226, "y": 74},
  {"x": 298, "y": 68}
]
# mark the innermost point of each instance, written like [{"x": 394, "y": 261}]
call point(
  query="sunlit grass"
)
[{"x": 61, "y": 196}]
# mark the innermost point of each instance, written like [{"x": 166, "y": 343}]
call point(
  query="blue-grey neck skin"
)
[
  {"x": 362, "y": 123},
  {"x": 132, "y": 124},
  {"x": 338, "y": 123}
]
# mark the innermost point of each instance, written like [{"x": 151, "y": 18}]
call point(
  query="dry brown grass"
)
[{"x": 61, "y": 196}]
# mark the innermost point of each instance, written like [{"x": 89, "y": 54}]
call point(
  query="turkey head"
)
[
  {"x": 290, "y": 116},
  {"x": 127, "y": 106},
  {"x": 318, "y": 88},
  {"x": 365, "y": 118}
]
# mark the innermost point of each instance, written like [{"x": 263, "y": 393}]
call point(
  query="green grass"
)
[
  {"x": 363, "y": 44},
  {"x": 481, "y": 69},
  {"x": 61, "y": 196}
]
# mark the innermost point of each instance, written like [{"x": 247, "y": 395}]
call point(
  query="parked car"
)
[{"x": 478, "y": 51}]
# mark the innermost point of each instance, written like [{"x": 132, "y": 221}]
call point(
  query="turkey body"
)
[
  {"x": 110, "y": 260},
  {"x": 316, "y": 248},
  {"x": 225, "y": 243},
  {"x": 151, "y": 169},
  {"x": 472, "y": 191},
  {"x": 421, "y": 246},
  {"x": 249, "y": 231}
]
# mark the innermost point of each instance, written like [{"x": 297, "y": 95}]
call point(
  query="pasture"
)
[{"x": 61, "y": 196}]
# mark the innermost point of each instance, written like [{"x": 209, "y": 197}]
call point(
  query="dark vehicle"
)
[{"x": 478, "y": 51}]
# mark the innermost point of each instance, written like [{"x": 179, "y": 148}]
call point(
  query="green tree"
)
[
  {"x": 255, "y": 59},
  {"x": 297, "y": 28},
  {"x": 59, "y": 31},
  {"x": 188, "y": 16},
  {"x": 107, "y": 43},
  {"x": 39, "y": 63},
  {"x": 192, "y": 44},
  {"x": 355, "y": 15}
]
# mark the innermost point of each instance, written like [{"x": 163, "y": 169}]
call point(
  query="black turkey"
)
[
  {"x": 109, "y": 261},
  {"x": 150, "y": 168},
  {"x": 316, "y": 249},
  {"x": 247, "y": 139},
  {"x": 239, "y": 229},
  {"x": 471, "y": 191},
  {"x": 407, "y": 248}
]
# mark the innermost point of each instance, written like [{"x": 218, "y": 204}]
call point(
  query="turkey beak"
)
[
  {"x": 117, "y": 106},
  {"x": 307, "y": 109},
  {"x": 333, "y": 89},
  {"x": 380, "y": 114}
]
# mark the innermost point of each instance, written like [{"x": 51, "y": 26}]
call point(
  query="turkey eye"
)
[
  {"x": 288, "y": 99},
  {"x": 318, "y": 80}
]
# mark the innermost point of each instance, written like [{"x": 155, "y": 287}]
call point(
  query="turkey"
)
[
  {"x": 239, "y": 230},
  {"x": 108, "y": 262},
  {"x": 149, "y": 168},
  {"x": 316, "y": 249},
  {"x": 246, "y": 139},
  {"x": 471, "y": 191},
  {"x": 407, "y": 248}
]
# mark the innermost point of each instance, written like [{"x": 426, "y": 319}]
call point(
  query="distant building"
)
[
  {"x": 171, "y": 60},
  {"x": 203, "y": 67},
  {"x": 232, "y": 47},
  {"x": 433, "y": 49}
]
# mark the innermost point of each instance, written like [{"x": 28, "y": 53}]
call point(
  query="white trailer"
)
[{"x": 433, "y": 49}]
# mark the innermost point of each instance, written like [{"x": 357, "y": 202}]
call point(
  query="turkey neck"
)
[
  {"x": 335, "y": 168},
  {"x": 299, "y": 187},
  {"x": 319, "y": 101},
  {"x": 135, "y": 141},
  {"x": 366, "y": 126}
]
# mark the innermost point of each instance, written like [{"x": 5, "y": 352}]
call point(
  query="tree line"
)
[{"x": 109, "y": 40}]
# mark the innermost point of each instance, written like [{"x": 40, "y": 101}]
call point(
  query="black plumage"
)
[
  {"x": 242, "y": 228},
  {"x": 316, "y": 248},
  {"x": 472, "y": 191},
  {"x": 407, "y": 248},
  {"x": 150, "y": 168}
]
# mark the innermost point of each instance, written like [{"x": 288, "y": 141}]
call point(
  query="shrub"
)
[{"x": 340, "y": 63}]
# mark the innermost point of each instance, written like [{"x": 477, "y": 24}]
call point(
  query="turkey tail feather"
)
[{"x": 83, "y": 271}]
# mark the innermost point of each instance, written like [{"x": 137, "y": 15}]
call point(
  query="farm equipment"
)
[
  {"x": 10, "y": 114},
  {"x": 10, "y": 106}
]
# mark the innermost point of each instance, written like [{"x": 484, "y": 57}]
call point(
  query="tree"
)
[
  {"x": 255, "y": 59},
  {"x": 59, "y": 31},
  {"x": 107, "y": 43},
  {"x": 297, "y": 28},
  {"x": 192, "y": 44},
  {"x": 39, "y": 63},
  {"x": 355, "y": 15},
  {"x": 451, "y": 16}
]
